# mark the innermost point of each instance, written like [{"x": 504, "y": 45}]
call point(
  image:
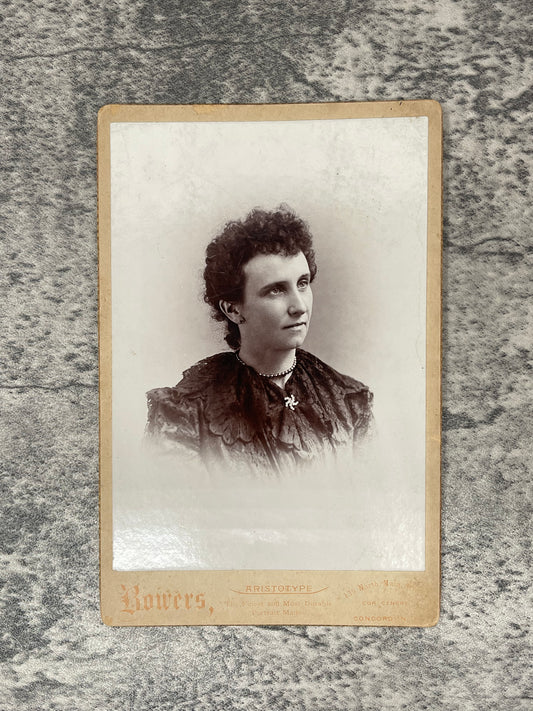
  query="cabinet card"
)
[{"x": 270, "y": 330}]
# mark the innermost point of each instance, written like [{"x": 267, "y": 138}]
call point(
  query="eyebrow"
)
[{"x": 265, "y": 289}]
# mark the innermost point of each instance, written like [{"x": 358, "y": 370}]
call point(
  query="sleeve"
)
[
  {"x": 360, "y": 405},
  {"x": 173, "y": 424}
]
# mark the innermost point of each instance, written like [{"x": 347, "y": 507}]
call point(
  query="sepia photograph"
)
[{"x": 268, "y": 341}]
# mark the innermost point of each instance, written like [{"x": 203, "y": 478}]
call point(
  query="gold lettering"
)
[
  {"x": 130, "y": 599},
  {"x": 134, "y": 600}
]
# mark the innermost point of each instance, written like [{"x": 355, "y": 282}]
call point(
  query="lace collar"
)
[{"x": 239, "y": 405}]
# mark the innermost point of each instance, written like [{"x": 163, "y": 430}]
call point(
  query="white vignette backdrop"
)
[{"x": 361, "y": 185}]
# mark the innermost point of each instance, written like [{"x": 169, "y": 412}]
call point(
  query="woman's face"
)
[{"x": 277, "y": 302}]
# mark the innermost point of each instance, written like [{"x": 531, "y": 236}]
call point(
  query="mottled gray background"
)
[{"x": 62, "y": 60}]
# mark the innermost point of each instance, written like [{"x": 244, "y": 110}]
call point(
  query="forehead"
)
[{"x": 265, "y": 269}]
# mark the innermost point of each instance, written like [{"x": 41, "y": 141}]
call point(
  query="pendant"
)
[{"x": 291, "y": 402}]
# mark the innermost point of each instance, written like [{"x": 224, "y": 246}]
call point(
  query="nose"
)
[{"x": 297, "y": 304}]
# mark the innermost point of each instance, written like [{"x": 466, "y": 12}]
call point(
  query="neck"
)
[{"x": 267, "y": 362}]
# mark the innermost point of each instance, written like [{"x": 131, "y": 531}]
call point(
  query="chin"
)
[
  {"x": 292, "y": 340},
  {"x": 297, "y": 341}
]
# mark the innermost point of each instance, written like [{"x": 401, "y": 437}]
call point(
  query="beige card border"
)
[{"x": 373, "y": 598}]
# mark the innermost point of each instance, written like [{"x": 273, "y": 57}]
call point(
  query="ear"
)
[{"x": 231, "y": 310}]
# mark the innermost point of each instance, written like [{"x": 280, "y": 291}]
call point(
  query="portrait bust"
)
[{"x": 267, "y": 405}]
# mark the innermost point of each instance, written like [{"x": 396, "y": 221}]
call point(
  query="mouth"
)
[{"x": 295, "y": 326}]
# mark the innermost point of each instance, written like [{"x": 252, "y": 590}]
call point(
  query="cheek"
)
[{"x": 266, "y": 313}]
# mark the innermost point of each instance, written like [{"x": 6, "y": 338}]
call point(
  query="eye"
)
[
  {"x": 275, "y": 290},
  {"x": 303, "y": 283}
]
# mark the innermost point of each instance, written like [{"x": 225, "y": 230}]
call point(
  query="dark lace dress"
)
[{"x": 225, "y": 414}]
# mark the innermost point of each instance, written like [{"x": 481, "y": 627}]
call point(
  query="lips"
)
[{"x": 296, "y": 325}]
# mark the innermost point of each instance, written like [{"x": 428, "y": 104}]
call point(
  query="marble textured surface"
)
[{"x": 61, "y": 61}]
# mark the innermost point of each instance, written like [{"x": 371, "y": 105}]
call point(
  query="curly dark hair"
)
[{"x": 261, "y": 232}]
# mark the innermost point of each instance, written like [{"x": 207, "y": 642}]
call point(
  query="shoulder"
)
[
  {"x": 328, "y": 376},
  {"x": 195, "y": 379},
  {"x": 183, "y": 403},
  {"x": 345, "y": 404},
  {"x": 178, "y": 412}
]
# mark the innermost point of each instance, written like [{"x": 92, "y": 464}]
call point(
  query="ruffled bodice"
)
[{"x": 223, "y": 411}]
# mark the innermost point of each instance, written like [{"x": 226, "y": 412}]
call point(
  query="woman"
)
[{"x": 268, "y": 405}]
